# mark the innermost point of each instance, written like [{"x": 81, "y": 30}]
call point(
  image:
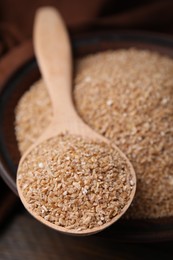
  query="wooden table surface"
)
[{"x": 22, "y": 237}]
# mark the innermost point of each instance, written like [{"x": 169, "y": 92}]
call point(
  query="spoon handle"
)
[{"x": 53, "y": 52}]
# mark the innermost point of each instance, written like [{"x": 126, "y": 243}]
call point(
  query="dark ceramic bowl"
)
[{"x": 19, "y": 70}]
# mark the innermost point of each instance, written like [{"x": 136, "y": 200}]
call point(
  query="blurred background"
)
[
  {"x": 16, "y": 18},
  {"x": 20, "y": 235}
]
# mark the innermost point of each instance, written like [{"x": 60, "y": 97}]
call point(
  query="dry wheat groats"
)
[
  {"x": 75, "y": 183},
  {"x": 34, "y": 109},
  {"x": 127, "y": 96}
]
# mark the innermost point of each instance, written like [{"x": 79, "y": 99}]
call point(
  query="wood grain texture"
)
[
  {"x": 25, "y": 238},
  {"x": 8, "y": 202}
]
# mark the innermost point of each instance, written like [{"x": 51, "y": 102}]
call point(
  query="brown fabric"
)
[
  {"x": 9, "y": 37},
  {"x": 16, "y": 21},
  {"x": 79, "y": 15}
]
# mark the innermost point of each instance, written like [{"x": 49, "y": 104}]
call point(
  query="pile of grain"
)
[
  {"x": 33, "y": 114},
  {"x": 125, "y": 95},
  {"x": 75, "y": 183}
]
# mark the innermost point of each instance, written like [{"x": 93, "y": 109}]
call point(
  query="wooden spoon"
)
[{"x": 53, "y": 52}]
